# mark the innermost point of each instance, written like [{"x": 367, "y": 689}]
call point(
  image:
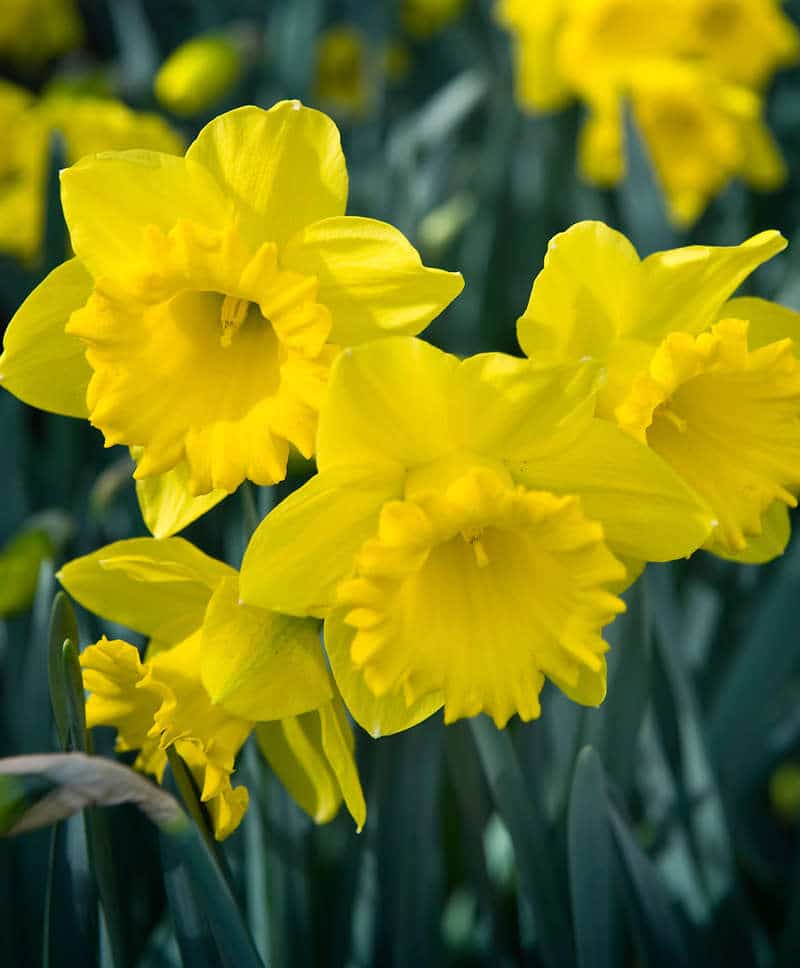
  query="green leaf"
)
[
  {"x": 531, "y": 838},
  {"x": 591, "y": 879},
  {"x": 63, "y": 626},
  {"x": 658, "y": 932}
]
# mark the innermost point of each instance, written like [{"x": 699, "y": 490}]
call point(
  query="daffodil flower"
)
[
  {"x": 84, "y": 124},
  {"x": 209, "y": 297},
  {"x": 461, "y": 536},
  {"x": 214, "y": 671},
  {"x": 712, "y": 387},
  {"x": 692, "y": 73}
]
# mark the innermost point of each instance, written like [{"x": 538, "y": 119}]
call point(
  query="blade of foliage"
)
[
  {"x": 63, "y": 626},
  {"x": 590, "y": 866},
  {"x": 697, "y": 800},
  {"x": 196, "y": 943},
  {"x": 36, "y": 791},
  {"x": 408, "y": 845},
  {"x": 614, "y": 729},
  {"x": 752, "y": 693},
  {"x": 530, "y": 836},
  {"x": 657, "y": 930}
]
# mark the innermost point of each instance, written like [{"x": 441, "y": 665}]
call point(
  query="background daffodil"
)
[
  {"x": 460, "y": 537},
  {"x": 691, "y": 72},
  {"x": 714, "y": 392},
  {"x": 214, "y": 671},
  {"x": 82, "y": 125},
  {"x": 217, "y": 290}
]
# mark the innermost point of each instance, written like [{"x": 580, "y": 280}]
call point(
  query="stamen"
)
[
  {"x": 679, "y": 423},
  {"x": 232, "y": 315},
  {"x": 473, "y": 537}
]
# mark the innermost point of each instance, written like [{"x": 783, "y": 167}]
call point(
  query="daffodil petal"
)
[
  {"x": 111, "y": 199},
  {"x": 684, "y": 288},
  {"x": 505, "y": 407},
  {"x": 158, "y": 588},
  {"x": 769, "y": 321},
  {"x": 258, "y": 664},
  {"x": 379, "y": 716},
  {"x": 41, "y": 364},
  {"x": 306, "y": 545},
  {"x": 338, "y": 744},
  {"x": 370, "y": 278},
  {"x": 312, "y": 755},
  {"x": 283, "y": 167},
  {"x": 776, "y": 531},
  {"x": 646, "y": 510},
  {"x": 585, "y": 296},
  {"x": 167, "y": 504},
  {"x": 293, "y": 748},
  {"x": 406, "y": 382}
]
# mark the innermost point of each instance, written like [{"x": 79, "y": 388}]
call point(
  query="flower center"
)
[
  {"x": 232, "y": 315},
  {"x": 727, "y": 419},
  {"x": 479, "y": 590},
  {"x": 161, "y": 383}
]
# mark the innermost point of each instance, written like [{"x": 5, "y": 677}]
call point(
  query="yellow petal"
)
[
  {"x": 41, "y": 364},
  {"x": 768, "y": 321},
  {"x": 776, "y": 529},
  {"x": 646, "y": 510},
  {"x": 110, "y": 199},
  {"x": 167, "y": 504},
  {"x": 585, "y": 296},
  {"x": 683, "y": 289},
  {"x": 158, "y": 588},
  {"x": 370, "y": 278},
  {"x": 379, "y": 716},
  {"x": 338, "y": 744},
  {"x": 258, "y": 664},
  {"x": 283, "y": 168},
  {"x": 501, "y": 406},
  {"x": 387, "y": 401},
  {"x": 306, "y": 545},
  {"x": 293, "y": 748},
  {"x": 312, "y": 755},
  {"x": 601, "y": 144},
  {"x": 112, "y": 674}
]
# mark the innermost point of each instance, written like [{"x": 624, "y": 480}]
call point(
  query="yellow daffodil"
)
[
  {"x": 197, "y": 74},
  {"x": 692, "y": 72},
  {"x": 712, "y": 387},
  {"x": 342, "y": 79},
  {"x": 209, "y": 297},
  {"x": 745, "y": 40},
  {"x": 214, "y": 671},
  {"x": 23, "y": 173},
  {"x": 699, "y": 133},
  {"x": 424, "y": 18},
  {"x": 536, "y": 27},
  {"x": 460, "y": 537},
  {"x": 84, "y": 125},
  {"x": 34, "y": 31}
]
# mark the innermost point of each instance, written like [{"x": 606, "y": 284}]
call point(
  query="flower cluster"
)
[
  {"x": 691, "y": 72},
  {"x": 471, "y": 523}
]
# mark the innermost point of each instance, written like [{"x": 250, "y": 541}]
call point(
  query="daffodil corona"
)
[
  {"x": 214, "y": 671},
  {"x": 211, "y": 294},
  {"x": 461, "y": 538},
  {"x": 712, "y": 386}
]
